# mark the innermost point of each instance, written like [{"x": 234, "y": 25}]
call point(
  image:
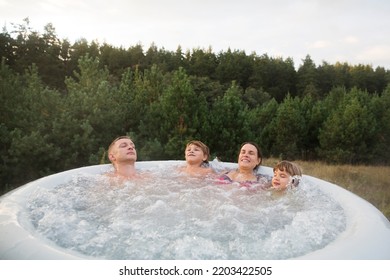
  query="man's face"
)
[{"x": 123, "y": 151}]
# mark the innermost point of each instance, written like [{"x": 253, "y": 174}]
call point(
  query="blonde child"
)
[{"x": 197, "y": 154}]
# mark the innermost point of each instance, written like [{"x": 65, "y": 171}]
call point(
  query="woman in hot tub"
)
[{"x": 246, "y": 175}]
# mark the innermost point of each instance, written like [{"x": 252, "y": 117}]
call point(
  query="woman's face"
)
[{"x": 248, "y": 157}]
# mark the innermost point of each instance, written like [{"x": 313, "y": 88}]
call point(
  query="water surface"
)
[{"x": 171, "y": 216}]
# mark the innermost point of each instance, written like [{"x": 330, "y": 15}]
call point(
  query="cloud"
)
[
  {"x": 375, "y": 53},
  {"x": 4, "y": 4},
  {"x": 320, "y": 44},
  {"x": 351, "y": 40}
]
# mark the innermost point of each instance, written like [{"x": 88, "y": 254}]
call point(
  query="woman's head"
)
[{"x": 250, "y": 155}]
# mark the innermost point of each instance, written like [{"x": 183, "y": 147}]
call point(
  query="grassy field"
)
[{"x": 369, "y": 182}]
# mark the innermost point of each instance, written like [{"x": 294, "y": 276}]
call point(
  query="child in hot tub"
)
[{"x": 286, "y": 175}]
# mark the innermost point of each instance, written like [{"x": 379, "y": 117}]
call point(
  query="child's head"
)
[
  {"x": 197, "y": 149},
  {"x": 286, "y": 174}
]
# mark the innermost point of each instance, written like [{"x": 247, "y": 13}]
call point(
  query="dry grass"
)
[{"x": 369, "y": 182}]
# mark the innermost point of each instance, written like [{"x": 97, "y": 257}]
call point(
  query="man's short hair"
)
[{"x": 113, "y": 143}]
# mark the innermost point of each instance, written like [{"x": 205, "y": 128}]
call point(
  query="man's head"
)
[{"x": 122, "y": 150}]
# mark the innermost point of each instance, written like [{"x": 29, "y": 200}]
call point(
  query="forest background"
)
[{"x": 61, "y": 105}]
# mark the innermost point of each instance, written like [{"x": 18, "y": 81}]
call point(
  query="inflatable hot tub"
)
[{"x": 365, "y": 234}]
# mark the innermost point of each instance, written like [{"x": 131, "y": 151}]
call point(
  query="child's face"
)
[
  {"x": 281, "y": 179},
  {"x": 194, "y": 154}
]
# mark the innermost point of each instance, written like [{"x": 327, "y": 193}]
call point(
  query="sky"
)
[{"x": 352, "y": 31}]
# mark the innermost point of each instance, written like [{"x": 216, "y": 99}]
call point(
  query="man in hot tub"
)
[{"x": 123, "y": 155}]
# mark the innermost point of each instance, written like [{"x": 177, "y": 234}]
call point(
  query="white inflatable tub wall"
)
[{"x": 367, "y": 233}]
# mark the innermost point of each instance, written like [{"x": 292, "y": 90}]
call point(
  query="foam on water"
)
[{"x": 171, "y": 216}]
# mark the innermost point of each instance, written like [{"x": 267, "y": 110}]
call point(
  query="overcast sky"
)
[{"x": 353, "y": 31}]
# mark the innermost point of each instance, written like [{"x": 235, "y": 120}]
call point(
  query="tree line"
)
[{"x": 62, "y": 104}]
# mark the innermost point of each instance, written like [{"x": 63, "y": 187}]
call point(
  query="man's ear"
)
[{"x": 111, "y": 157}]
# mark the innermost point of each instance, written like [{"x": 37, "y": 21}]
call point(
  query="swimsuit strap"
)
[{"x": 225, "y": 177}]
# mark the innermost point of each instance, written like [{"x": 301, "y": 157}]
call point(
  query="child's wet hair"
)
[
  {"x": 289, "y": 167},
  {"x": 202, "y": 146}
]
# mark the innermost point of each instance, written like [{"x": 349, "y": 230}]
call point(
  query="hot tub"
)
[{"x": 364, "y": 235}]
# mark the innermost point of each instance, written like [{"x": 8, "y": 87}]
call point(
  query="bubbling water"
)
[{"x": 171, "y": 216}]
